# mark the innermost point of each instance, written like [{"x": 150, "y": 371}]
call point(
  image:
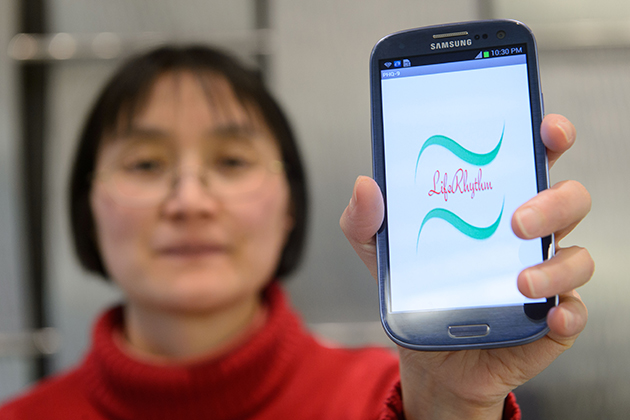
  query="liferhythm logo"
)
[{"x": 460, "y": 183}]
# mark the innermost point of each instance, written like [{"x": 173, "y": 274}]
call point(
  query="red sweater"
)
[{"x": 282, "y": 372}]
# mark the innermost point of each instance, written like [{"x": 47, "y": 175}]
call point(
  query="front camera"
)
[{"x": 501, "y": 34}]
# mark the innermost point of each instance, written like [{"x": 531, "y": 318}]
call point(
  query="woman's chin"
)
[{"x": 204, "y": 292}]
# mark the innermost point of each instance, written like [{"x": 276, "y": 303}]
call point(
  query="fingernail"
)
[
  {"x": 529, "y": 221},
  {"x": 568, "y": 320},
  {"x": 568, "y": 129},
  {"x": 538, "y": 283},
  {"x": 351, "y": 205},
  {"x": 353, "y": 199}
]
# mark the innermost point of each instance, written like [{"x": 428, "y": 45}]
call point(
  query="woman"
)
[{"x": 189, "y": 194}]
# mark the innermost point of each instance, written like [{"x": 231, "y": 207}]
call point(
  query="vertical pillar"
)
[
  {"x": 261, "y": 23},
  {"x": 32, "y": 78}
]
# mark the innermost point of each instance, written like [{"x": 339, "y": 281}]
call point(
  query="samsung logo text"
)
[{"x": 451, "y": 44}]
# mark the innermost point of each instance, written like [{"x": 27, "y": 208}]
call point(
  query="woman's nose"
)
[{"x": 190, "y": 195}]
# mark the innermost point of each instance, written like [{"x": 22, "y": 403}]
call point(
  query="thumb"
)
[{"x": 362, "y": 218}]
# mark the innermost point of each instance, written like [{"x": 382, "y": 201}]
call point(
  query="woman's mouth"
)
[{"x": 192, "y": 250}]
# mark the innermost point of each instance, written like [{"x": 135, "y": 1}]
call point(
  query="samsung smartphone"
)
[{"x": 456, "y": 114}]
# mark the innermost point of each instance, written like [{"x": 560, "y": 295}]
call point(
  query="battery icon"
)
[{"x": 486, "y": 54}]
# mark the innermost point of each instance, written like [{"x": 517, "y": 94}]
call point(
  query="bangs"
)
[{"x": 222, "y": 99}]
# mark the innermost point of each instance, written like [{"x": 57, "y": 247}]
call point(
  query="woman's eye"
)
[
  {"x": 146, "y": 166},
  {"x": 234, "y": 163}
]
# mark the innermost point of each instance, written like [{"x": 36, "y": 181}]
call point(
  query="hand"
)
[{"x": 474, "y": 383}]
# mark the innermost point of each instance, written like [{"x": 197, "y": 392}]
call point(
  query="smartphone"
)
[{"x": 456, "y": 115}]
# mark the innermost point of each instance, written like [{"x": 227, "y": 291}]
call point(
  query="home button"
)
[{"x": 468, "y": 331}]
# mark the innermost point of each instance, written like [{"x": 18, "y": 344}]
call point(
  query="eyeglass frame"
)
[{"x": 275, "y": 166}]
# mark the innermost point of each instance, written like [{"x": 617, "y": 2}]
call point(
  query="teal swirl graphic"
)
[
  {"x": 458, "y": 150},
  {"x": 457, "y": 222}
]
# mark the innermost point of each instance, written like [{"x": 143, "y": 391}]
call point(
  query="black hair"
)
[{"x": 128, "y": 90}]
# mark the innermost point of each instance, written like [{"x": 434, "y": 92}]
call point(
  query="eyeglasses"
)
[{"x": 146, "y": 173}]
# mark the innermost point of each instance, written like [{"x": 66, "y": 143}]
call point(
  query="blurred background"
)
[{"x": 55, "y": 55}]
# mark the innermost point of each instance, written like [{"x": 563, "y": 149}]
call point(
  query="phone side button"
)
[{"x": 468, "y": 331}]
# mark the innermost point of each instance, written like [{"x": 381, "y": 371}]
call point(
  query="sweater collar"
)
[{"x": 228, "y": 387}]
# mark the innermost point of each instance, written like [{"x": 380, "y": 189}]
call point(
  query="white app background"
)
[{"x": 442, "y": 267}]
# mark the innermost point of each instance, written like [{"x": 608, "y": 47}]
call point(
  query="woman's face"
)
[{"x": 193, "y": 243}]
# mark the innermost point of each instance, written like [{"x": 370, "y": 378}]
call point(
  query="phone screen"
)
[{"x": 459, "y": 160}]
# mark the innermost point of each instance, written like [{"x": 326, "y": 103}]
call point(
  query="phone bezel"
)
[{"x": 428, "y": 330}]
